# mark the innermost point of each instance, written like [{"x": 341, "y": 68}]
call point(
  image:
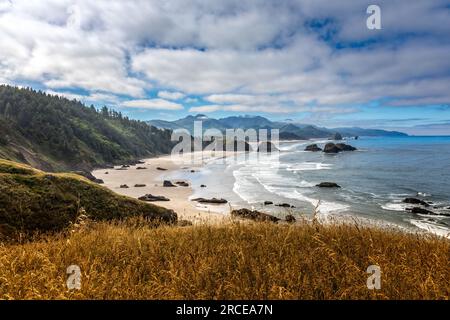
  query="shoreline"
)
[{"x": 153, "y": 180}]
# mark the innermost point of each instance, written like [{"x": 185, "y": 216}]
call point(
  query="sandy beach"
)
[{"x": 153, "y": 179}]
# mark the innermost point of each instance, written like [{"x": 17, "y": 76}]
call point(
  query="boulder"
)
[
  {"x": 328, "y": 185},
  {"x": 124, "y": 186},
  {"x": 168, "y": 184},
  {"x": 203, "y": 186},
  {"x": 161, "y": 169},
  {"x": 284, "y": 205},
  {"x": 152, "y": 198},
  {"x": 331, "y": 148},
  {"x": 267, "y": 203},
  {"x": 418, "y": 210},
  {"x": 141, "y": 168},
  {"x": 106, "y": 172},
  {"x": 290, "y": 218},
  {"x": 345, "y": 147},
  {"x": 313, "y": 148},
  {"x": 182, "y": 184},
  {"x": 212, "y": 201},
  {"x": 267, "y": 146},
  {"x": 139, "y": 185},
  {"x": 254, "y": 215},
  {"x": 415, "y": 201}
]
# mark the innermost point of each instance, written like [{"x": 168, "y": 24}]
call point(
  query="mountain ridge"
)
[{"x": 288, "y": 130}]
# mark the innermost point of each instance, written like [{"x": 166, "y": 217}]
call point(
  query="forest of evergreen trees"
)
[{"x": 68, "y": 134}]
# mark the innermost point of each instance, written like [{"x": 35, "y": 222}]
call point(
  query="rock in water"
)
[
  {"x": 345, "y": 147},
  {"x": 313, "y": 148},
  {"x": 203, "y": 186},
  {"x": 331, "y": 148},
  {"x": 267, "y": 203},
  {"x": 336, "y": 136},
  {"x": 418, "y": 210},
  {"x": 168, "y": 184},
  {"x": 152, "y": 198},
  {"x": 254, "y": 215},
  {"x": 328, "y": 185},
  {"x": 284, "y": 205},
  {"x": 415, "y": 201}
]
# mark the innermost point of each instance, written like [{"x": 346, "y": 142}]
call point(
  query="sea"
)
[{"x": 374, "y": 181}]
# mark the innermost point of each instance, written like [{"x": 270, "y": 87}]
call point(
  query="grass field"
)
[{"x": 129, "y": 260}]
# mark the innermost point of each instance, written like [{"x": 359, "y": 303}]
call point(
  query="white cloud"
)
[
  {"x": 171, "y": 95},
  {"x": 158, "y": 104}
]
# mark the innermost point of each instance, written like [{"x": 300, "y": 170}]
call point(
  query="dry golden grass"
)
[{"x": 234, "y": 261}]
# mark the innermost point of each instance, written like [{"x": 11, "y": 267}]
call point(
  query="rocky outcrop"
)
[
  {"x": 345, "y": 147},
  {"x": 418, "y": 210},
  {"x": 152, "y": 198},
  {"x": 254, "y": 215},
  {"x": 211, "y": 201},
  {"x": 182, "y": 184},
  {"x": 268, "y": 203},
  {"x": 328, "y": 185},
  {"x": 336, "y": 148},
  {"x": 415, "y": 201},
  {"x": 313, "y": 148},
  {"x": 168, "y": 184},
  {"x": 336, "y": 136}
]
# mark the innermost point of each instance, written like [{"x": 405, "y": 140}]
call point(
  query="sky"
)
[{"x": 310, "y": 61}]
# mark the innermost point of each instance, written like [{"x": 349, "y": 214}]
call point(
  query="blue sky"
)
[{"x": 312, "y": 61}]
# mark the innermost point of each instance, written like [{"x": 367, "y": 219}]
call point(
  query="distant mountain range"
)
[{"x": 288, "y": 130}]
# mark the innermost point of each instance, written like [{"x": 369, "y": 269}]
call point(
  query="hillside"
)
[
  {"x": 288, "y": 130},
  {"x": 55, "y": 134},
  {"x": 33, "y": 200}
]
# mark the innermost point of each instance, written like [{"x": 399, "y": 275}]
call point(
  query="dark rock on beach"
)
[
  {"x": 345, "y": 147},
  {"x": 328, "y": 185},
  {"x": 290, "y": 218},
  {"x": 152, "y": 198},
  {"x": 415, "y": 201},
  {"x": 254, "y": 215},
  {"x": 161, "y": 169},
  {"x": 284, "y": 205},
  {"x": 141, "y": 168},
  {"x": 212, "y": 201},
  {"x": 168, "y": 184},
  {"x": 182, "y": 184},
  {"x": 203, "y": 186},
  {"x": 124, "y": 186},
  {"x": 313, "y": 148},
  {"x": 139, "y": 185},
  {"x": 267, "y": 203}
]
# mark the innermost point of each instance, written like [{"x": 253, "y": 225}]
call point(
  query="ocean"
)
[{"x": 374, "y": 180}]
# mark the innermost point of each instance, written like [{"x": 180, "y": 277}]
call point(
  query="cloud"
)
[
  {"x": 253, "y": 56},
  {"x": 171, "y": 95},
  {"x": 158, "y": 104}
]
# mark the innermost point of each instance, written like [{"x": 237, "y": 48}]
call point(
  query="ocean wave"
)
[
  {"x": 309, "y": 166},
  {"x": 432, "y": 227}
]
